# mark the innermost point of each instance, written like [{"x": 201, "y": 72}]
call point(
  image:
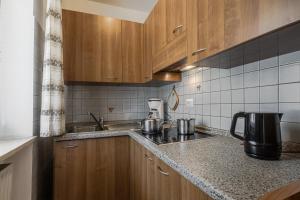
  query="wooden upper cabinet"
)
[
  {"x": 160, "y": 26},
  {"x": 197, "y": 37},
  {"x": 72, "y": 36},
  {"x": 147, "y": 50},
  {"x": 91, "y": 48},
  {"x": 241, "y": 21},
  {"x": 215, "y": 26},
  {"x": 274, "y": 14},
  {"x": 111, "y": 50},
  {"x": 176, "y": 18},
  {"x": 132, "y": 51}
]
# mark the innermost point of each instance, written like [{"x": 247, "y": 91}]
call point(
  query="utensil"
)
[
  {"x": 151, "y": 126},
  {"x": 185, "y": 126},
  {"x": 173, "y": 99},
  {"x": 262, "y": 134}
]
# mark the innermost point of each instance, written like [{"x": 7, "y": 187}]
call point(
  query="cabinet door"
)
[
  {"x": 160, "y": 26},
  {"x": 197, "y": 29},
  {"x": 148, "y": 37},
  {"x": 191, "y": 192},
  {"x": 176, "y": 18},
  {"x": 82, "y": 46},
  {"x": 111, "y": 50},
  {"x": 108, "y": 168},
  {"x": 72, "y": 35},
  {"x": 150, "y": 177},
  {"x": 70, "y": 170},
  {"x": 167, "y": 182},
  {"x": 241, "y": 21},
  {"x": 215, "y": 26},
  {"x": 91, "y": 48},
  {"x": 138, "y": 172},
  {"x": 132, "y": 51}
]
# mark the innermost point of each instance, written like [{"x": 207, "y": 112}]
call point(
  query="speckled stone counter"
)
[{"x": 217, "y": 165}]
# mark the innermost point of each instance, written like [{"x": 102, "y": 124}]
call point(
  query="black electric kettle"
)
[{"x": 262, "y": 134}]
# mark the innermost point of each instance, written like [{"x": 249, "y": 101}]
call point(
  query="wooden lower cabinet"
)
[
  {"x": 152, "y": 179},
  {"x": 116, "y": 168},
  {"x": 70, "y": 170},
  {"x": 94, "y": 169}
]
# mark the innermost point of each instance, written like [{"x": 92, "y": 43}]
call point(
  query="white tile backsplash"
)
[
  {"x": 289, "y": 73},
  {"x": 269, "y": 94},
  {"x": 237, "y": 81},
  {"x": 251, "y": 79},
  {"x": 126, "y": 103},
  {"x": 237, "y": 96},
  {"x": 237, "y": 70},
  {"x": 269, "y": 76},
  {"x": 289, "y": 92},
  {"x": 252, "y": 95}
]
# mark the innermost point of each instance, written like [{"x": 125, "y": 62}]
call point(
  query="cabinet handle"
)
[
  {"x": 70, "y": 146},
  {"x": 198, "y": 51},
  {"x": 162, "y": 172},
  {"x": 176, "y": 28},
  {"x": 150, "y": 159}
]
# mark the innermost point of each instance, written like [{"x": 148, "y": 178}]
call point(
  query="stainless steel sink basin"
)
[
  {"x": 92, "y": 127},
  {"x": 86, "y": 128}
]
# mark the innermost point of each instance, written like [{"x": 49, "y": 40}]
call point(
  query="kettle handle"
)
[{"x": 233, "y": 124}]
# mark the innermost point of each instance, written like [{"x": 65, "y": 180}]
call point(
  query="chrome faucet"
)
[{"x": 100, "y": 122}]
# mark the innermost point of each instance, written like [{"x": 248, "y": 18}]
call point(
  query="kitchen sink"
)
[{"x": 110, "y": 126}]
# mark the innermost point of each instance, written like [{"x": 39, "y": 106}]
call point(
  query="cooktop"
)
[{"x": 171, "y": 136}]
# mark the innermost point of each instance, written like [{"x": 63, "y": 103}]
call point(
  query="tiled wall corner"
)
[
  {"x": 110, "y": 102},
  {"x": 263, "y": 76}
]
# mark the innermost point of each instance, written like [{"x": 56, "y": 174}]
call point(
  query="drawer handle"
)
[
  {"x": 162, "y": 172},
  {"x": 150, "y": 159},
  {"x": 177, "y": 28},
  {"x": 198, "y": 51},
  {"x": 70, "y": 146}
]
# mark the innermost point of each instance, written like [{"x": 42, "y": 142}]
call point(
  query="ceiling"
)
[{"x": 139, "y": 5}]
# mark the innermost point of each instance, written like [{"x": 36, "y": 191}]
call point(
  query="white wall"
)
[
  {"x": 22, "y": 173},
  {"x": 105, "y": 10},
  {"x": 16, "y": 67}
]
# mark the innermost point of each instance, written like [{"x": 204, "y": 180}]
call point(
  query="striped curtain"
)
[{"x": 52, "y": 110}]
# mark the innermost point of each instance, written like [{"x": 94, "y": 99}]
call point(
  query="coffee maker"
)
[{"x": 156, "y": 109}]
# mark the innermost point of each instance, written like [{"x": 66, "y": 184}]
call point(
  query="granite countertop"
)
[{"x": 217, "y": 165}]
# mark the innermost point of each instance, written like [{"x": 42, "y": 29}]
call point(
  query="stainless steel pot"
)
[
  {"x": 185, "y": 126},
  {"x": 150, "y": 126}
]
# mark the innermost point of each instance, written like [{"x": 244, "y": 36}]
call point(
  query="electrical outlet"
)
[{"x": 189, "y": 103}]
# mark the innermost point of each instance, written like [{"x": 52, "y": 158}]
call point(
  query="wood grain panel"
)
[
  {"x": 168, "y": 185},
  {"x": 72, "y": 34},
  {"x": 288, "y": 192},
  {"x": 148, "y": 38},
  {"x": 197, "y": 37},
  {"x": 132, "y": 51},
  {"x": 160, "y": 26},
  {"x": 215, "y": 26},
  {"x": 176, "y": 18},
  {"x": 70, "y": 170},
  {"x": 191, "y": 192},
  {"x": 111, "y": 50},
  {"x": 91, "y": 48}
]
